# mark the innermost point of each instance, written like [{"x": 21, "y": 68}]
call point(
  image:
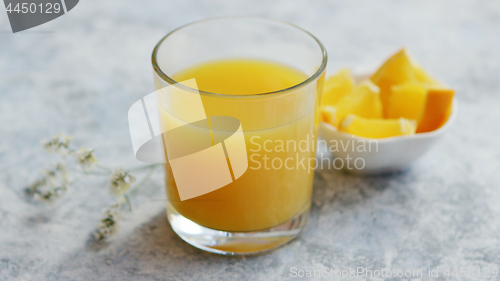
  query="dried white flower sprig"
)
[
  {"x": 120, "y": 181},
  {"x": 108, "y": 225},
  {"x": 54, "y": 181},
  {"x": 85, "y": 158},
  {"x": 58, "y": 144},
  {"x": 52, "y": 184}
]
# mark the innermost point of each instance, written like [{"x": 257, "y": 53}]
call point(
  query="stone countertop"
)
[{"x": 80, "y": 73}]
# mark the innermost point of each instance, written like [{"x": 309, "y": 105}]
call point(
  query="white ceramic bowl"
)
[{"x": 379, "y": 155}]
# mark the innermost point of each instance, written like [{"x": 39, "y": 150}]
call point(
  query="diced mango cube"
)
[
  {"x": 364, "y": 101},
  {"x": 438, "y": 108},
  {"x": 407, "y": 100},
  {"x": 336, "y": 87},
  {"x": 377, "y": 128},
  {"x": 397, "y": 69}
]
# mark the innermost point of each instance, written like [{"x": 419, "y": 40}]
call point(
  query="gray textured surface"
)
[{"x": 81, "y": 72}]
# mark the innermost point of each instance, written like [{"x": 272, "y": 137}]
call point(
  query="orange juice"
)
[{"x": 279, "y": 131}]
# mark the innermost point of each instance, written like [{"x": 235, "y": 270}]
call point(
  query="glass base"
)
[{"x": 235, "y": 243}]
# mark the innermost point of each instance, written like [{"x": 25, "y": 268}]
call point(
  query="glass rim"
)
[{"x": 305, "y": 82}]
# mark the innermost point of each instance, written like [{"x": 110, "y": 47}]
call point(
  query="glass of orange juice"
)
[{"x": 267, "y": 74}]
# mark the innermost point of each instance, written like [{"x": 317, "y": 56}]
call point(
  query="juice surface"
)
[
  {"x": 242, "y": 77},
  {"x": 265, "y": 195}
]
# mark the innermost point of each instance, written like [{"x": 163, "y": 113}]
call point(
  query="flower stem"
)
[
  {"x": 144, "y": 180},
  {"x": 91, "y": 173},
  {"x": 128, "y": 202},
  {"x": 143, "y": 167},
  {"x": 103, "y": 168},
  {"x": 75, "y": 180}
]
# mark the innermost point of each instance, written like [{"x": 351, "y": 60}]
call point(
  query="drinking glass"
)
[{"x": 268, "y": 205}]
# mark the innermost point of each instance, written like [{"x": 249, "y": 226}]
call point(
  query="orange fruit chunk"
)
[
  {"x": 397, "y": 69},
  {"x": 424, "y": 78},
  {"x": 328, "y": 114},
  {"x": 364, "y": 101},
  {"x": 377, "y": 128},
  {"x": 407, "y": 100},
  {"x": 337, "y": 86},
  {"x": 437, "y": 109}
]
